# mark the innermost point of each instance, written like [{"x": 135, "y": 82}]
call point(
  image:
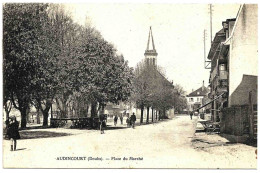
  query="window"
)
[
  {"x": 198, "y": 99},
  {"x": 191, "y": 99}
]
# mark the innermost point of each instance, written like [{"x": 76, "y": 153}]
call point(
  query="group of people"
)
[
  {"x": 129, "y": 121},
  {"x": 12, "y": 131}
]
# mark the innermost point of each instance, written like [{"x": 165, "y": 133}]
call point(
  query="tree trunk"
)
[
  {"x": 51, "y": 111},
  {"x": 94, "y": 109},
  {"x": 159, "y": 116},
  {"x": 164, "y": 113},
  {"x": 23, "y": 117},
  {"x": 142, "y": 115},
  {"x": 8, "y": 107},
  {"x": 38, "y": 117},
  {"x": 45, "y": 112},
  {"x": 156, "y": 115},
  {"x": 147, "y": 118},
  {"x": 45, "y": 117},
  {"x": 152, "y": 114},
  {"x": 87, "y": 111}
]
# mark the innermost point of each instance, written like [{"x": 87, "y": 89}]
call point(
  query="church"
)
[{"x": 150, "y": 61}]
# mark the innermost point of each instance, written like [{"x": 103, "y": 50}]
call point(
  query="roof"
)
[
  {"x": 153, "y": 50},
  {"x": 168, "y": 83},
  {"x": 199, "y": 92},
  {"x": 219, "y": 37}
]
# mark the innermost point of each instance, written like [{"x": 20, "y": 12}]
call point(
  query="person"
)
[
  {"x": 191, "y": 113},
  {"x": 121, "y": 118},
  {"x": 128, "y": 121},
  {"x": 115, "y": 120},
  {"x": 102, "y": 120},
  {"x": 12, "y": 132},
  {"x": 133, "y": 119}
]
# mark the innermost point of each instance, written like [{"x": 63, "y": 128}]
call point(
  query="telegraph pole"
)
[
  {"x": 210, "y": 12},
  {"x": 204, "y": 40}
]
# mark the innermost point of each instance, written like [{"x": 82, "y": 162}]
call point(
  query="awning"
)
[{"x": 211, "y": 101}]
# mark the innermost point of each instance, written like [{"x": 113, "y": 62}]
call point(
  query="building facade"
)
[
  {"x": 196, "y": 98},
  {"x": 234, "y": 70}
]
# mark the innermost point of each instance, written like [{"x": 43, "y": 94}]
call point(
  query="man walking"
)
[
  {"x": 121, "y": 118},
  {"x": 133, "y": 119},
  {"x": 191, "y": 113},
  {"x": 102, "y": 120},
  {"x": 115, "y": 120}
]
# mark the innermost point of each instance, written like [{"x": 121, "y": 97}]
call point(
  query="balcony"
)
[{"x": 223, "y": 75}]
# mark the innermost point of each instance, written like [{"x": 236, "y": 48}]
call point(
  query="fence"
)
[{"x": 75, "y": 122}]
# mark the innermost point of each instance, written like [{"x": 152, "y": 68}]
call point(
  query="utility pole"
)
[
  {"x": 204, "y": 41},
  {"x": 207, "y": 63},
  {"x": 210, "y": 12}
]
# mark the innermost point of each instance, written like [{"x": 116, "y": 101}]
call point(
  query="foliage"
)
[
  {"x": 22, "y": 26},
  {"x": 47, "y": 56}
]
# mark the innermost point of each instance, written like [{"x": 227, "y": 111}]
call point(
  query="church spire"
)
[
  {"x": 150, "y": 36},
  {"x": 150, "y": 54}
]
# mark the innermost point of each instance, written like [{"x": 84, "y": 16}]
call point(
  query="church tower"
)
[{"x": 150, "y": 52}]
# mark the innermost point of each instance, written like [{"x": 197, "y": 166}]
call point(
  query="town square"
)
[{"x": 130, "y": 85}]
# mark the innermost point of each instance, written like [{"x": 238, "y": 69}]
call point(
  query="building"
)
[
  {"x": 233, "y": 75},
  {"x": 150, "y": 54},
  {"x": 150, "y": 61},
  {"x": 196, "y": 98}
]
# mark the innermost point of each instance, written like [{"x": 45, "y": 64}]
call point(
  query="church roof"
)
[{"x": 149, "y": 51}]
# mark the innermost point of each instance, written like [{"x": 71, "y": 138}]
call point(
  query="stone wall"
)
[{"x": 234, "y": 120}]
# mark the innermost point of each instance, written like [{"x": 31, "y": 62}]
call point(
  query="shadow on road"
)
[
  {"x": 35, "y": 127},
  {"x": 19, "y": 149},
  {"x": 109, "y": 127},
  {"x": 40, "y": 134}
]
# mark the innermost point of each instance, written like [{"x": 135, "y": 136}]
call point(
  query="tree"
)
[
  {"x": 146, "y": 82},
  {"x": 152, "y": 90},
  {"x": 180, "y": 101},
  {"x": 21, "y": 47}
]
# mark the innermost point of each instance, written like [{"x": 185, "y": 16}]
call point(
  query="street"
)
[{"x": 167, "y": 144}]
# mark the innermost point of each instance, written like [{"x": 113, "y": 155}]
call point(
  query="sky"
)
[{"x": 177, "y": 31}]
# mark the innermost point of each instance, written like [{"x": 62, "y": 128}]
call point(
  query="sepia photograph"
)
[{"x": 129, "y": 85}]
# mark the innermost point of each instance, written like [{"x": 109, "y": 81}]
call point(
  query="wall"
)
[
  {"x": 243, "y": 47},
  {"x": 234, "y": 120}
]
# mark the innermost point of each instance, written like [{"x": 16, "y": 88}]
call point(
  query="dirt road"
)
[{"x": 168, "y": 144}]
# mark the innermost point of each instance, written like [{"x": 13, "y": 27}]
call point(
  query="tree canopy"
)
[{"x": 48, "y": 57}]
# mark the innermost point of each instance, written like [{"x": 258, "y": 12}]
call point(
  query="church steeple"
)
[{"x": 150, "y": 54}]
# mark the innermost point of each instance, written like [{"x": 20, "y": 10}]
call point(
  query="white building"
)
[{"x": 195, "y": 98}]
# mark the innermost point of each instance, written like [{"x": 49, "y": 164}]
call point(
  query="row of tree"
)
[
  {"x": 152, "y": 90},
  {"x": 47, "y": 57}
]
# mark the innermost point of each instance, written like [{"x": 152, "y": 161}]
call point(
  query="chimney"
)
[{"x": 203, "y": 87}]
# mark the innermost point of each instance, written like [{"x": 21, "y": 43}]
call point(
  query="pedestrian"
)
[
  {"x": 115, "y": 120},
  {"x": 121, "y": 118},
  {"x": 128, "y": 121},
  {"x": 191, "y": 113},
  {"x": 12, "y": 132},
  {"x": 102, "y": 120},
  {"x": 133, "y": 119}
]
